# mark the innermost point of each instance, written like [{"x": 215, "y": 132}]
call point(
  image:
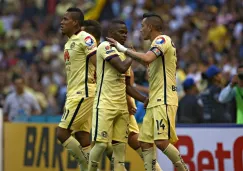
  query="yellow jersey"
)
[
  {"x": 111, "y": 87},
  {"x": 162, "y": 73},
  {"x": 80, "y": 71}
]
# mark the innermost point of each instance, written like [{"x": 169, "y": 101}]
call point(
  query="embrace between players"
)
[{"x": 100, "y": 95}]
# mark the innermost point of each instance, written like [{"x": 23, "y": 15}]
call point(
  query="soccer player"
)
[
  {"x": 110, "y": 113},
  {"x": 80, "y": 58},
  {"x": 133, "y": 126},
  {"x": 159, "y": 122},
  {"x": 133, "y": 129}
]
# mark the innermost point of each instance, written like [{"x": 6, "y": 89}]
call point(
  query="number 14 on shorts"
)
[{"x": 160, "y": 125}]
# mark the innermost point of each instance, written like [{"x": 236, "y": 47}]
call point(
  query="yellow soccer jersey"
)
[
  {"x": 111, "y": 88},
  {"x": 80, "y": 71},
  {"x": 162, "y": 73}
]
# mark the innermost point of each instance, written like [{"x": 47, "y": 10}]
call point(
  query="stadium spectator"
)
[
  {"x": 189, "y": 111},
  {"x": 20, "y": 103},
  {"x": 213, "y": 110},
  {"x": 235, "y": 90}
]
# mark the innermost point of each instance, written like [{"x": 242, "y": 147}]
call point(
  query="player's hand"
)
[
  {"x": 116, "y": 44},
  {"x": 234, "y": 81},
  {"x": 132, "y": 110},
  {"x": 145, "y": 103}
]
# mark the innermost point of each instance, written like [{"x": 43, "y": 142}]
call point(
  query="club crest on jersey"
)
[
  {"x": 89, "y": 41},
  {"x": 72, "y": 45},
  {"x": 160, "y": 40}
]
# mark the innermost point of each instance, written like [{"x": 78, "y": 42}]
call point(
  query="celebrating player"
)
[
  {"x": 94, "y": 28},
  {"x": 80, "y": 58},
  {"x": 110, "y": 113},
  {"x": 133, "y": 127},
  {"x": 159, "y": 122}
]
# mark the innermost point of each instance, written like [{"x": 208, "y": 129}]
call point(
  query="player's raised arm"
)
[{"x": 138, "y": 56}]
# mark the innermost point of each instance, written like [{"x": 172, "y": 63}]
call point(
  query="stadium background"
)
[{"x": 205, "y": 32}]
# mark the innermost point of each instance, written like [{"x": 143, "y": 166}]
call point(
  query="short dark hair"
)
[
  {"x": 78, "y": 15},
  {"x": 93, "y": 27},
  {"x": 113, "y": 23},
  {"x": 117, "y": 21},
  {"x": 154, "y": 19}
]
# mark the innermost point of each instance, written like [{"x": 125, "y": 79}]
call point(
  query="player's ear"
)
[
  {"x": 150, "y": 27},
  {"x": 76, "y": 22}
]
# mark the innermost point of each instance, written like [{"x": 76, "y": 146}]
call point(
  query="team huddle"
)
[{"x": 100, "y": 95}]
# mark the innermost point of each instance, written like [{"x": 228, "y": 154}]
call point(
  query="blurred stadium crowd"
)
[{"x": 205, "y": 32}]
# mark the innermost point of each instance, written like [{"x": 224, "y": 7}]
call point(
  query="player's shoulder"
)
[
  {"x": 106, "y": 48},
  {"x": 84, "y": 34},
  {"x": 161, "y": 39},
  {"x": 86, "y": 37},
  {"x": 104, "y": 44}
]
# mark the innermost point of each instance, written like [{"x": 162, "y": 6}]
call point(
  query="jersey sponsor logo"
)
[
  {"x": 90, "y": 47},
  {"x": 160, "y": 40},
  {"x": 108, "y": 49},
  {"x": 66, "y": 56},
  {"x": 88, "y": 41}
]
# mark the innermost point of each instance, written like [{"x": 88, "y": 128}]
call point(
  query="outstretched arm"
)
[
  {"x": 141, "y": 57},
  {"x": 138, "y": 56}
]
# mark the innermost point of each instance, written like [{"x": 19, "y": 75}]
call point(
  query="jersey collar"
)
[{"x": 76, "y": 33}]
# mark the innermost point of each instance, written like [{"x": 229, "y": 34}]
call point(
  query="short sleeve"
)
[
  {"x": 107, "y": 52},
  {"x": 159, "y": 46},
  {"x": 128, "y": 72},
  {"x": 90, "y": 45},
  {"x": 156, "y": 51}
]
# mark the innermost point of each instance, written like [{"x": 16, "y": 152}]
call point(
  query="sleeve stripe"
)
[
  {"x": 154, "y": 53},
  {"x": 161, "y": 53},
  {"x": 110, "y": 57},
  {"x": 91, "y": 54}
]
